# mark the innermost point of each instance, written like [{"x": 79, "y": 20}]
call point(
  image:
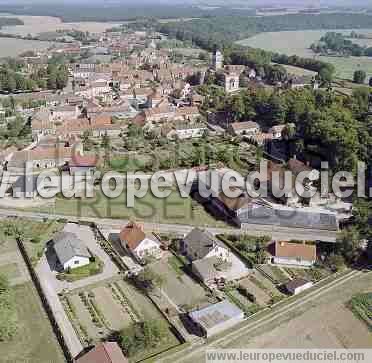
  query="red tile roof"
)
[
  {"x": 104, "y": 353},
  {"x": 295, "y": 250},
  {"x": 132, "y": 235}
]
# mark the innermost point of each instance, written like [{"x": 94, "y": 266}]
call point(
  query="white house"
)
[
  {"x": 297, "y": 254},
  {"x": 248, "y": 128},
  {"x": 139, "y": 244},
  {"x": 183, "y": 130},
  {"x": 70, "y": 250},
  {"x": 199, "y": 244},
  {"x": 296, "y": 286}
]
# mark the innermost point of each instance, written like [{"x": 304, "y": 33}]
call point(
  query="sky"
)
[{"x": 223, "y": 2}]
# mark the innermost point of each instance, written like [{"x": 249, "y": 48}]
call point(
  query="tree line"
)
[
  {"x": 339, "y": 44},
  {"x": 223, "y": 32}
]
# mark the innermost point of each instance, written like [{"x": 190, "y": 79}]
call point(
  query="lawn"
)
[
  {"x": 312, "y": 274},
  {"x": 242, "y": 301},
  {"x": 173, "y": 209},
  {"x": 361, "y": 306},
  {"x": 298, "y": 43},
  {"x": 78, "y": 273},
  {"x": 274, "y": 273},
  {"x": 34, "y": 234},
  {"x": 183, "y": 290},
  {"x": 35, "y": 340},
  {"x": 10, "y": 270}
]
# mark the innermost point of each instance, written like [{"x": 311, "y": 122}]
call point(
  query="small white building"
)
[
  {"x": 296, "y": 254},
  {"x": 216, "y": 318},
  {"x": 296, "y": 286},
  {"x": 248, "y": 128},
  {"x": 139, "y": 244},
  {"x": 70, "y": 250}
]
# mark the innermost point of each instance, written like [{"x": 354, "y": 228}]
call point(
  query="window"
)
[{"x": 76, "y": 262}]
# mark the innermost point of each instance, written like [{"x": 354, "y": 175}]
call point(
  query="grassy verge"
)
[
  {"x": 361, "y": 306},
  {"x": 35, "y": 340},
  {"x": 93, "y": 268}
]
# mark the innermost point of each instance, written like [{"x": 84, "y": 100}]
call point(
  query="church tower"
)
[{"x": 217, "y": 60}]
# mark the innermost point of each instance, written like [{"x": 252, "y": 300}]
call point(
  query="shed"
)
[{"x": 217, "y": 317}]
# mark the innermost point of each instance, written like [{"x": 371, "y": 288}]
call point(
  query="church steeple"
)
[{"x": 217, "y": 60}]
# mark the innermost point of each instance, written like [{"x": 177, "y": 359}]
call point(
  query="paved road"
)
[
  {"x": 72, "y": 341},
  {"x": 193, "y": 353},
  {"x": 276, "y": 232}
]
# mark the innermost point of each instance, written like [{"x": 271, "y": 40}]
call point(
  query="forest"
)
[
  {"x": 332, "y": 128},
  {"x": 227, "y": 29},
  {"x": 54, "y": 76},
  {"x": 339, "y": 44},
  {"x": 121, "y": 12}
]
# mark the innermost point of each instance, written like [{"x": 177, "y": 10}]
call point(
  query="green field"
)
[
  {"x": 173, "y": 209},
  {"x": 35, "y": 340},
  {"x": 298, "y": 43}
]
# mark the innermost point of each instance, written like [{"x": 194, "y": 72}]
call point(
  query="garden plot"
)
[
  {"x": 179, "y": 287},
  {"x": 111, "y": 307},
  {"x": 262, "y": 295},
  {"x": 143, "y": 306},
  {"x": 311, "y": 274},
  {"x": 275, "y": 274},
  {"x": 97, "y": 312}
]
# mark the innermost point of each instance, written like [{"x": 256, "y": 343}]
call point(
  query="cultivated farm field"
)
[
  {"x": 298, "y": 43},
  {"x": 39, "y": 24}
]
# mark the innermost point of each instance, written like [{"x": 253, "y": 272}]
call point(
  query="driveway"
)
[
  {"x": 87, "y": 236},
  {"x": 47, "y": 280}
]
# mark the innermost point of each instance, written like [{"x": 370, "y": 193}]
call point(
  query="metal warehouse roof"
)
[{"x": 216, "y": 314}]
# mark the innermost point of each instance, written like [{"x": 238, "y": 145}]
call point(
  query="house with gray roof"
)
[
  {"x": 70, "y": 250},
  {"x": 200, "y": 244}
]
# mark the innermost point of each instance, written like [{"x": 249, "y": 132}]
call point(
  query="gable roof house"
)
[
  {"x": 199, "y": 244},
  {"x": 70, "y": 250},
  {"x": 296, "y": 286},
  {"x": 138, "y": 243},
  {"x": 297, "y": 254},
  {"x": 40, "y": 158},
  {"x": 107, "y": 352},
  {"x": 248, "y": 128}
]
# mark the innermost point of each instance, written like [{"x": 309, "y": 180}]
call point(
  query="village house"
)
[
  {"x": 96, "y": 126},
  {"x": 40, "y": 158},
  {"x": 157, "y": 114},
  {"x": 107, "y": 352},
  {"x": 304, "y": 81},
  {"x": 296, "y": 254},
  {"x": 61, "y": 113},
  {"x": 246, "y": 128},
  {"x": 183, "y": 130},
  {"x": 277, "y": 130},
  {"x": 138, "y": 243},
  {"x": 297, "y": 286},
  {"x": 70, "y": 251},
  {"x": 199, "y": 244}
]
